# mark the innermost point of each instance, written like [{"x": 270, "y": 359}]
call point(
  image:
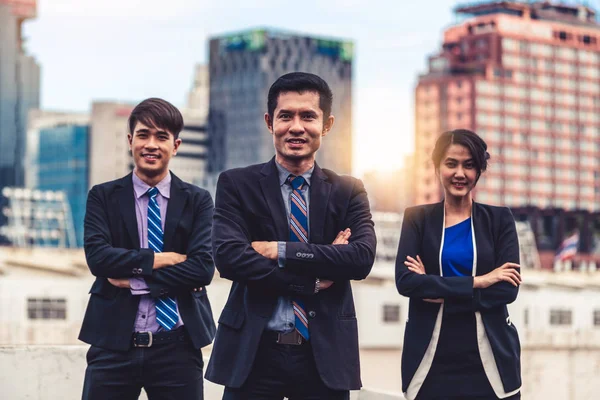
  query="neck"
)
[
  {"x": 150, "y": 180},
  {"x": 296, "y": 167},
  {"x": 458, "y": 205}
]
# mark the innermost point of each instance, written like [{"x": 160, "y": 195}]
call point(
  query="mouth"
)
[
  {"x": 296, "y": 141},
  {"x": 150, "y": 157},
  {"x": 459, "y": 185}
]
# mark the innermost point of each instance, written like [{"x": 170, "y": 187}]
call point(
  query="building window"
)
[
  {"x": 46, "y": 308},
  {"x": 391, "y": 313},
  {"x": 561, "y": 317},
  {"x": 596, "y": 317}
]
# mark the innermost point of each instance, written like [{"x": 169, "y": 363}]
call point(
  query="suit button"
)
[
  {"x": 135, "y": 271},
  {"x": 298, "y": 254},
  {"x": 139, "y": 270},
  {"x": 195, "y": 289},
  {"x": 312, "y": 314}
]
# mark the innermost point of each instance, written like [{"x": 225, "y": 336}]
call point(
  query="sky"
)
[{"x": 128, "y": 50}]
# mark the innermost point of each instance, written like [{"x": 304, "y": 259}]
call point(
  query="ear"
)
[
  {"x": 177, "y": 144},
  {"x": 269, "y": 123},
  {"x": 328, "y": 125},
  {"x": 129, "y": 139}
]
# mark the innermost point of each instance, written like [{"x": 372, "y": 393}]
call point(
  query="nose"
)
[
  {"x": 297, "y": 126},
  {"x": 460, "y": 172},
  {"x": 151, "y": 143}
]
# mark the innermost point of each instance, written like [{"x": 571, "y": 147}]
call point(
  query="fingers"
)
[
  {"x": 420, "y": 262},
  {"x": 437, "y": 301},
  {"x": 414, "y": 268},
  {"x": 325, "y": 284},
  {"x": 343, "y": 236},
  {"x": 510, "y": 265},
  {"x": 415, "y": 265}
]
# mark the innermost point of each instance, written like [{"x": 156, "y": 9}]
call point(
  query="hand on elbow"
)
[
  {"x": 506, "y": 273},
  {"x": 167, "y": 259}
]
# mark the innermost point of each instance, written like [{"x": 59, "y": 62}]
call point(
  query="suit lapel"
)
[
  {"x": 177, "y": 201},
  {"x": 269, "y": 184},
  {"x": 126, "y": 204},
  {"x": 320, "y": 189}
]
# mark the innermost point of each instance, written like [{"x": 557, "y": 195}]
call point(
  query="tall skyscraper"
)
[
  {"x": 19, "y": 90},
  {"x": 526, "y": 77},
  {"x": 58, "y": 160},
  {"x": 243, "y": 66}
]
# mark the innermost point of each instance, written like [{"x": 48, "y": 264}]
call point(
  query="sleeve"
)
[
  {"x": 235, "y": 258},
  {"x": 414, "y": 285},
  {"x": 198, "y": 269},
  {"x": 340, "y": 262},
  {"x": 506, "y": 250},
  {"x": 104, "y": 260},
  {"x": 138, "y": 286}
]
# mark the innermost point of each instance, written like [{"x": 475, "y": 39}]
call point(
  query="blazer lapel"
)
[
  {"x": 126, "y": 204},
  {"x": 269, "y": 184},
  {"x": 437, "y": 222},
  {"x": 320, "y": 189},
  {"x": 177, "y": 201}
]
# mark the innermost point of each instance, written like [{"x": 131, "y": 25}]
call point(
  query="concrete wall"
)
[{"x": 56, "y": 372}]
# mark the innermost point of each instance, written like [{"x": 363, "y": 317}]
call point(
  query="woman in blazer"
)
[{"x": 458, "y": 263}]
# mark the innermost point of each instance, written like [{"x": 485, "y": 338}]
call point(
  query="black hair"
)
[
  {"x": 157, "y": 113},
  {"x": 300, "y": 82},
  {"x": 464, "y": 137}
]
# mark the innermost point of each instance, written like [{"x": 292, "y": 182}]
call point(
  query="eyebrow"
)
[
  {"x": 146, "y": 130},
  {"x": 455, "y": 160}
]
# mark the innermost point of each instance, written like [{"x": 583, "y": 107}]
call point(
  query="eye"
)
[
  {"x": 469, "y": 166},
  {"x": 284, "y": 116}
]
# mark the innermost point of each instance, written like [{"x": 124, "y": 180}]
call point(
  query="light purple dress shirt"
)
[{"x": 145, "y": 320}]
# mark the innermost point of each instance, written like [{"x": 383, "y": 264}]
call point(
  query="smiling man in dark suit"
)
[
  {"x": 147, "y": 241},
  {"x": 291, "y": 236}
]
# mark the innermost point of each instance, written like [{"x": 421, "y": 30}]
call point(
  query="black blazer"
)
[
  {"x": 112, "y": 250},
  {"x": 249, "y": 207},
  {"x": 495, "y": 243}
]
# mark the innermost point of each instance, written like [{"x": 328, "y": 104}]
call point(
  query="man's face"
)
[
  {"x": 298, "y": 126},
  {"x": 152, "y": 148}
]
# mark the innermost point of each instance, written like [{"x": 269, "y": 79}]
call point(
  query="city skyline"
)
[{"x": 82, "y": 60}]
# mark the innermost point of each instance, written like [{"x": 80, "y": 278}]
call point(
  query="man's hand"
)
[
  {"x": 167, "y": 259},
  {"x": 120, "y": 283},
  {"x": 342, "y": 237},
  {"x": 266, "y": 249},
  {"x": 507, "y": 273},
  {"x": 325, "y": 284}
]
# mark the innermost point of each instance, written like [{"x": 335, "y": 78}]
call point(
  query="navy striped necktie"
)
[
  {"x": 166, "y": 308},
  {"x": 299, "y": 233}
]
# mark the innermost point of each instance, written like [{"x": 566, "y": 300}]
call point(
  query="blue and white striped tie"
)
[
  {"x": 166, "y": 308},
  {"x": 299, "y": 233}
]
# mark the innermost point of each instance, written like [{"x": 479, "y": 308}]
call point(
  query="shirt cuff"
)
[
  {"x": 281, "y": 247},
  {"x": 139, "y": 286}
]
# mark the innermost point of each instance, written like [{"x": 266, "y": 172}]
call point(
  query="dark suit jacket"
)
[
  {"x": 249, "y": 207},
  {"x": 496, "y": 243},
  {"x": 112, "y": 250}
]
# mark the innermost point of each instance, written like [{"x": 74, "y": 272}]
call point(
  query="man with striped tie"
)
[
  {"x": 147, "y": 241},
  {"x": 291, "y": 236}
]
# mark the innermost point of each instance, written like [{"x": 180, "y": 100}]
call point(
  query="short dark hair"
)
[
  {"x": 157, "y": 113},
  {"x": 300, "y": 82},
  {"x": 464, "y": 137}
]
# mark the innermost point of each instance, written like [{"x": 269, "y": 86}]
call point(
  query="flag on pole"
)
[{"x": 568, "y": 248}]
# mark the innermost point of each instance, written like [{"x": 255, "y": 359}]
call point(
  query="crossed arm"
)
[
  {"x": 496, "y": 288},
  {"x": 239, "y": 259},
  {"x": 168, "y": 271}
]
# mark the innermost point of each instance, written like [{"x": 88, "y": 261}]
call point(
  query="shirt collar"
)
[
  {"x": 140, "y": 187},
  {"x": 284, "y": 173}
]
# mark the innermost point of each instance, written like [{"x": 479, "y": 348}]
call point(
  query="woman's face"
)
[{"x": 457, "y": 171}]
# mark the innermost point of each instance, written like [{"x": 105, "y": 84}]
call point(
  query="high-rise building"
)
[
  {"x": 58, "y": 160},
  {"x": 109, "y": 150},
  {"x": 526, "y": 77},
  {"x": 19, "y": 89},
  {"x": 243, "y": 66}
]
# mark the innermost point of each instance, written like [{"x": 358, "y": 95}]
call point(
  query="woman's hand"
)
[
  {"x": 417, "y": 266},
  {"x": 507, "y": 273}
]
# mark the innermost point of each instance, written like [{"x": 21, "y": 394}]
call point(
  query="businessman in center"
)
[{"x": 291, "y": 236}]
